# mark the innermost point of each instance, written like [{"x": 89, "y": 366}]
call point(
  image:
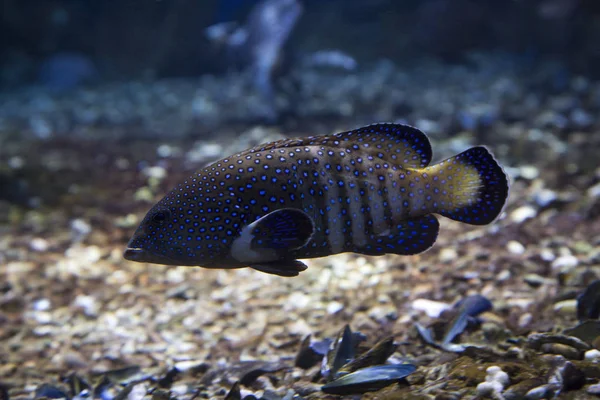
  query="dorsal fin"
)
[{"x": 400, "y": 144}]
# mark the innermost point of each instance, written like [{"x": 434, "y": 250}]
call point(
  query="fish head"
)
[{"x": 163, "y": 237}]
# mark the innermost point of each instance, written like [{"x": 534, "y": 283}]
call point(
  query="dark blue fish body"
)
[{"x": 367, "y": 191}]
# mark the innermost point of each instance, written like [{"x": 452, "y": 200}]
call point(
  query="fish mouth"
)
[{"x": 139, "y": 254}]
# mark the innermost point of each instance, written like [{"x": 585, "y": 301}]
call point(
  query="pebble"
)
[
  {"x": 79, "y": 230},
  {"x": 300, "y": 328},
  {"x": 566, "y": 307},
  {"x": 384, "y": 313},
  {"x": 433, "y": 309},
  {"x": 155, "y": 172},
  {"x": 515, "y": 247},
  {"x": 87, "y": 304},
  {"x": 525, "y": 320},
  {"x": 547, "y": 255},
  {"x": 188, "y": 365},
  {"x": 489, "y": 389},
  {"x": 495, "y": 373},
  {"x": 594, "y": 389},
  {"x": 164, "y": 151},
  {"x": 562, "y": 349},
  {"x": 144, "y": 194},
  {"x": 534, "y": 280},
  {"x": 128, "y": 221},
  {"x": 16, "y": 162},
  {"x": 447, "y": 255},
  {"x": 333, "y": 307},
  {"x": 204, "y": 151},
  {"x": 592, "y": 355},
  {"x": 594, "y": 191},
  {"x": 565, "y": 262},
  {"x": 297, "y": 300},
  {"x": 38, "y": 244},
  {"x": 41, "y": 305},
  {"x": 529, "y": 172},
  {"x": 503, "y": 275},
  {"x": 522, "y": 214},
  {"x": 544, "y": 197}
]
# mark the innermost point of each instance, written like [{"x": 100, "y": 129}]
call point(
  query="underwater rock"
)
[
  {"x": 563, "y": 350},
  {"x": 369, "y": 379},
  {"x": 537, "y": 340},
  {"x": 519, "y": 390},
  {"x": 588, "y": 302}
]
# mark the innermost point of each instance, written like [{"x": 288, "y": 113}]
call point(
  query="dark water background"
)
[{"x": 164, "y": 39}]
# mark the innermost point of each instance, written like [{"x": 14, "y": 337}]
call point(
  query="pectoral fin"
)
[
  {"x": 287, "y": 268},
  {"x": 271, "y": 237}
]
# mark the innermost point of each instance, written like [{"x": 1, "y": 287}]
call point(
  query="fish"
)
[{"x": 370, "y": 191}]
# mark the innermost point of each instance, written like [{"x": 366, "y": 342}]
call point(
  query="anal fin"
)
[
  {"x": 411, "y": 236},
  {"x": 287, "y": 268}
]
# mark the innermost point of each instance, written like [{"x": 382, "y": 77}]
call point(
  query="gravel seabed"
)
[{"x": 70, "y": 304}]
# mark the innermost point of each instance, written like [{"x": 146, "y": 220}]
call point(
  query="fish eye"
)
[{"x": 159, "y": 217}]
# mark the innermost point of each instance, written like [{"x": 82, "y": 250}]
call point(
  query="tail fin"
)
[{"x": 472, "y": 185}]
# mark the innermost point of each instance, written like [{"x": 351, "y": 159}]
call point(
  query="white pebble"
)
[
  {"x": 529, "y": 172},
  {"x": 16, "y": 162},
  {"x": 38, "y": 244},
  {"x": 79, "y": 229},
  {"x": 592, "y": 355},
  {"x": 212, "y": 150},
  {"x": 334, "y": 307},
  {"x": 567, "y": 261},
  {"x": 566, "y": 307},
  {"x": 522, "y": 213},
  {"x": 525, "y": 320},
  {"x": 503, "y": 275},
  {"x": 447, "y": 255},
  {"x": 433, "y": 309},
  {"x": 547, "y": 255},
  {"x": 544, "y": 197},
  {"x": 297, "y": 301},
  {"x": 594, "y": 191},
  {"x": 87, "y": 304},
  {"x": 156, "y": 172},
  {"x": 41, "y": 305},
  {"x": 489, "y": 388},
  {"x": 515, "y": 247},
  {"x": 495, "y": 373},
  {"x": 164, "y": 151}
]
